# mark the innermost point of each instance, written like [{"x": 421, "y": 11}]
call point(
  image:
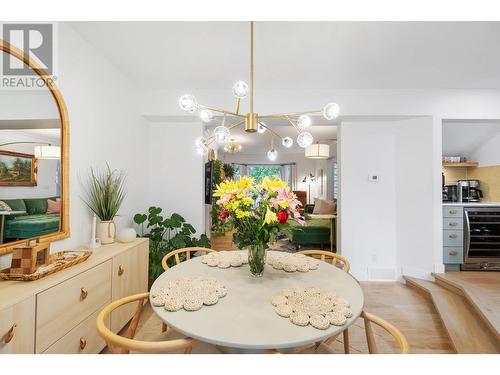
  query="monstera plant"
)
[{"x": 165, "y": 235}]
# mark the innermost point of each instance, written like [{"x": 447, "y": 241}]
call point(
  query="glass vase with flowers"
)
[{"x": 258, "y": 211}]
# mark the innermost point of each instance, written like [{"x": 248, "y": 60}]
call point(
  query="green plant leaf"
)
[
  {"x": 140, "y": 218},
  {"x": 189, "y": 228},
  {"x": 178, "y": 242},
  {"x": 176, "y": 216}
]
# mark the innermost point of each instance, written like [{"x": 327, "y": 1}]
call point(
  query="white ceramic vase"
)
[
  {"x": 127, "y": 235},
  {"x": 106, "y": 232}
]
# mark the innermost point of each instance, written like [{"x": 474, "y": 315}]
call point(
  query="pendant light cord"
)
[{"x": 251, "y": 67}]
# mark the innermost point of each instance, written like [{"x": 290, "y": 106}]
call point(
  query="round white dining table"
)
[{"x": 245, "y": 317}]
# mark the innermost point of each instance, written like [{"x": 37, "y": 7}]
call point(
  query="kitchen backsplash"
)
[{"x": 488, "y": 176}]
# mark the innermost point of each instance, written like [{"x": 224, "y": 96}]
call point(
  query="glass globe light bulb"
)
[
  {"x": 222, "y": 134},
  {"x": 200, "y": 141},
  {"x": 240, "y": 90},
  {"x": 261, "y": 129},
  {"x": 272, "y": 154},
  {"x": 331, "y": 111},
  {"x": 304, "y": 139},
  {"x": 287, "y": 142},
  {"x": 188, "y": 103},
  {"x": 303, "y": 122},
  {"x": 206, "y": 115},
  {"x": 201, "y": 150}
]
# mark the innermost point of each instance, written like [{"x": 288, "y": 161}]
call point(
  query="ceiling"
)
[
  {"x": 52, "y": 136},
  {"x": 463, "y": 138},
  {"x": 300, "y": 55}
]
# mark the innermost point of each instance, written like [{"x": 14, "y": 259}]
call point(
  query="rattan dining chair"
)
[
  {"x": 124, "y": 344},
  {"x": 327, "y": 256},
  {"x": 186, "y": 251},
  {"x": 400, "y": 339},
  {"x": 340, "y": 262}
]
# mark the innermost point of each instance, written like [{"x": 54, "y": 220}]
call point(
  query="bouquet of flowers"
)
[{"x": 257, "y": 212}]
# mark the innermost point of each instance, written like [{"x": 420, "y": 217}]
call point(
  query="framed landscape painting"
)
[{"x": 17, "y": 169}]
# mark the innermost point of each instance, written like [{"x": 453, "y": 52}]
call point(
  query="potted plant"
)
[
  {"x": 257, "y": 212},
  {"x": 104, "y": 196},
  {"x": 221, "y": 231},
  {"x": 166, "y": 234}
]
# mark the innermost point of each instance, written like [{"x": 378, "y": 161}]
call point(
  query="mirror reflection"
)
[{"x": 30, "y": 164}]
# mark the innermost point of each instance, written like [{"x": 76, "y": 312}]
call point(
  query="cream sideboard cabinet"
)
[{"x": 57, "y": 314}]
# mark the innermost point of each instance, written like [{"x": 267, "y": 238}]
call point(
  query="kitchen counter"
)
[{"x": 473, "y": 204}]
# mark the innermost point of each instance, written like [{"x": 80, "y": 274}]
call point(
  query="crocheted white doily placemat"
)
[
  {"x": 313, "y": 306},
  {"x": 189, "y": 293},
  {"x": 225, "y": 259},
  {"x": 292, "y": 262}
]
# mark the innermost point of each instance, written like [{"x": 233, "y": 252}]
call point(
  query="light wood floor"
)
[
  {"x": 410, "y": 311},
  {"x": 481, "y": 289}
]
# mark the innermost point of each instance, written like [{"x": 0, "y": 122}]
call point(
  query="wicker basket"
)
[{"x": 58, "y": 262}]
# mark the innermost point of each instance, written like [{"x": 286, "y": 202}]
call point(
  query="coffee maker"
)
[
  {"x": 469, "y": 191},
  {"x": 450, "y": 193}
]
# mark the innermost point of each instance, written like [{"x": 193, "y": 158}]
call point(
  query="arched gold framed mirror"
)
[{"x": 34, "y": 160}]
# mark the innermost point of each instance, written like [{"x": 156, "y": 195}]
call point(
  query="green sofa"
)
[
  {"x": 35, "y": 222},
  {"x": 315, "y": 231}
]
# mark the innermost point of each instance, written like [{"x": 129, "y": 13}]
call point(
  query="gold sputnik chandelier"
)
[{"x": 254, "y": 122}]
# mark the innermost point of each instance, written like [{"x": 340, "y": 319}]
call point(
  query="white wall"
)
[
  {"x": 105, "y": 126},
  {"x": 488, "y": 153},
  {"x": 387, "y": 227},
  {"x": 24, "y": 105},
  {"x": 175, "y": 180}
]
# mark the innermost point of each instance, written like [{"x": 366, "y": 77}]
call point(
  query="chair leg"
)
[
  {"x": 346, "y": 341},
  {"x": 372, "y": 346},
  {"x": 135, "y": 320},
  {"x": 188, "y": 349}
]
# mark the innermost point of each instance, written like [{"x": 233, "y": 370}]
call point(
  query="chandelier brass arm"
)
[
  {"x": 220, "y": 110},
  {"x": 213, "y": 138},
  {"x": 292, "y": 123},
  {"x": 271, "y": 130}
]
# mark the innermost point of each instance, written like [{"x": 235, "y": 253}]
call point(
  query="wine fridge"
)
[{"x": 481, "y": 238}]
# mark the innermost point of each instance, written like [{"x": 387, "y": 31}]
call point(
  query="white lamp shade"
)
[
  {"x": 47, "y": 152},
  {"x": 318, "y": 151}
]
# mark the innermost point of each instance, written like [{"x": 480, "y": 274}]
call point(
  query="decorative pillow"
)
[
  {"x": 4, "y": 206},
  {"x": 317, "y": 205},
  {"x": 16, "y": 204},
  {"x": 54, "y": 207},
  {"x": 36, "y": 206},
  {"x": 324, "y": 207}
]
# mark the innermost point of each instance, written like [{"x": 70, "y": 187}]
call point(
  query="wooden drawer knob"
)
[
  {"x": 453, "y": 235},
  {"x": 453, "y": 224},
  {"x": 83, "y": 343},
  {"x": 83, "y": 294},
  {"x": 121, "y": 270},
  {"x": 453, "y": 253},
  {"x": 9, "y": 335}
]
